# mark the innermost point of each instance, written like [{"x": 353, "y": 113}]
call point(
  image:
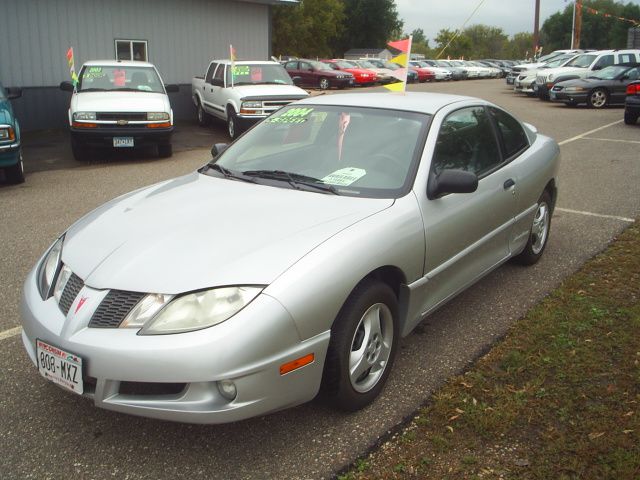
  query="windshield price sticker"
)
[
  {"x": 293, "y": 115},
  {"x": 240, "y": 70},
  {"x": 61, "y": 367},
  {"x": 345, "y": 176}
]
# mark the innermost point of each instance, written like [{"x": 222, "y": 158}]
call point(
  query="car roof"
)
[
  {"x": 116, "y": 63},
  {"x": 226, "y": 61},
  {"x": 422, "y": 102}
]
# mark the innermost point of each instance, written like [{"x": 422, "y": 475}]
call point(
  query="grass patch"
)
[{"x": 558, "y": 398}]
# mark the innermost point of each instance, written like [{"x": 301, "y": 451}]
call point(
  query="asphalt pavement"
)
[{"x": 48, "y": 433}]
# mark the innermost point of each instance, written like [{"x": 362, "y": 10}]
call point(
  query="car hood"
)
[
  {"x": 198, "y": 231},
  {"x": 119, "y": 102},
  {"x": 582, "y": 82},
  {"x": 269, "y": 91},
  {"x": 558, "y": 71},
  {"x": 359, "y": 71}
]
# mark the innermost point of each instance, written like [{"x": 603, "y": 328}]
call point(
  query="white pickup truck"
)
[
  {"x": 119, "y": 104},
  {"x": 245, "y": 96}
]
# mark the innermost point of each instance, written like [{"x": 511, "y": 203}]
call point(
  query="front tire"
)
[
  {"x": 15, "y": 173},
  {"x": 539, "y": 234},
  {"x": 78, "y": 150},
  {"x": 165, "y": 151},
  {"x": 598, "y": 98},
  {"x": 232, "y": 124},
  {"x": 362, "y": 348}
]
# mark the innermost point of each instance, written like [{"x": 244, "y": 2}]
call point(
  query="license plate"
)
[
  {"x": 122, "y": 142},
  {"x": 62, "y": 368}
]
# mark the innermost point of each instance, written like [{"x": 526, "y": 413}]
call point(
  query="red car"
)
[
  {"x": 361, "y": 75},
  {"x": 424, "y": 74}
]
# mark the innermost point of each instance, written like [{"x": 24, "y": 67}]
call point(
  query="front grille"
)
[
  {"x": 129, "y": 116},
  {"x": 114, "y": 308},
  {"x": 70, "y": 292},
  {"x": 149, "y": 388}
]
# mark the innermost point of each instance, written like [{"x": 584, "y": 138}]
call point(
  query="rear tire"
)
[
  {"x": 323, "y": 83},
  {"x": 364, "y": 339},
  {"x": 539, "y": 234},
  {"x": 15, "y": 173},
  {"x": 630, "y": 118},
  {"x": 165, "y": 151},
  {"x": 203, "y": 117}
]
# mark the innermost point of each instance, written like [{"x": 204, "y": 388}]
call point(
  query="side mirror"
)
[
  {"x": 624, "y": 77},
  {"x": 297, "y": 80},
  {"x": 218, "y": 148},
  {"x": 451, "y": 181},
  {"x": 66, "y": 86},
  {"x": 597, "y": 67},
  {"x": 14, "y": 92},
  {"x": 217, "y": 82},
  {"x": 172, "y": 88}
]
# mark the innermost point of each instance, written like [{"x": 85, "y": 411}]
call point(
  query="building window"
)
[{"x": 131, "y": 50}]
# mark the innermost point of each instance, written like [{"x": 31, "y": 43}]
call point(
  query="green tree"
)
[
  {"x": 308, "y": 29},
  {"x": 486, "y": 42},
  {"x": 459, "y": 45},
  {"x": 369, "y": 24},
  {"x": 598, "y": 31},
  {"x": 519, "y": 45}
]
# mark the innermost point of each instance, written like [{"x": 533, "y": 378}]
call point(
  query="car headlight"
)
[
  {"x": 549, "y": 77},
  {"x": 7, "y": 133},
  {"x": 84, "y": 116},
  {"x": 575, "y": 89},
  {"x": 157, "y": 116},
  {"x": 48, "y": 269},
  {"x": 193, "y": 311},
  {"x": 251, "y": 105}
]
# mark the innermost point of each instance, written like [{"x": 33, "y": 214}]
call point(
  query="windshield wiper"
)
[
  {"x": 294, "y": 179},
  {"x": 227, "y": 173},
  {"x": 93, "y": 90}
]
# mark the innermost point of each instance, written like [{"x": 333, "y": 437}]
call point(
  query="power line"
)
[{"x": 459, "y": 31}]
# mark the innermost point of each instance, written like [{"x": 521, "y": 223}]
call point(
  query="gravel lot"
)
[{"x": 47, "y": 433}]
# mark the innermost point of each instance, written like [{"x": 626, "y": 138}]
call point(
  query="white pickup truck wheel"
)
[{"x": 232, "y": 124}]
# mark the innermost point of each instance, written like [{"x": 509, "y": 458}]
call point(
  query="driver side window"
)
[
  {"x": 467, "y": 142},
  {"x": 219, "y": 75}
]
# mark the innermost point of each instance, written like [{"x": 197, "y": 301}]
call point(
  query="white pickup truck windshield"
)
[
  {"x": 102, "y": 78},
  {"x": 259, "y": 74}
]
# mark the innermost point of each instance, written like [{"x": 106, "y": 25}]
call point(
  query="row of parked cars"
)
[{"x": 595, "y": 78}]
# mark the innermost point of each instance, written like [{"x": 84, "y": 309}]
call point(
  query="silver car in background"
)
[{"x": 293, "y": 263}]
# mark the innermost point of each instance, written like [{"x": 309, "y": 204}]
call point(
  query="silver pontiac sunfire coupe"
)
[{"x": 292, "y": 263}]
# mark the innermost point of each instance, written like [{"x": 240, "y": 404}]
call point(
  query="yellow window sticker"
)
[
  {"x": 345, "y": 176},
  {"x": 293, "y": 115}
]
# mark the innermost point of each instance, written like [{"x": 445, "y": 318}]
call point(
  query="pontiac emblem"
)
[{"x": 80, "y": 303}]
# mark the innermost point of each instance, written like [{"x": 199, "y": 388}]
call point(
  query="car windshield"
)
[
  {"x": 610, "y": 72},
  {"x": 319, "y": 65},
  {"x": 365, "y": 64},
  {"x": 377, "y": 63},
  {"x": 548, "y": 57},
  {"x": 391, "y": 66},
  {"x": 354, "y": 151},
  {"x": 259, "y": 74},
  {"x": 343, "y": 64},
  {"x": 442, "y": 63},
  {"x": 111, "y": 78},
  {"x": 557, "y": 62},
  {"x": 581, "y": 61}
]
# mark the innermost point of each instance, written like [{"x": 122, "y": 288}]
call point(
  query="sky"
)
[{"x": 512, "y": 16}]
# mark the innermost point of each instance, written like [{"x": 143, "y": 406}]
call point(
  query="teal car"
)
[{"x": 10, "y": 151}]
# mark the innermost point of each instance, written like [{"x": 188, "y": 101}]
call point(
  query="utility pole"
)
[
  {"x": 536, "y": 29},
  {"x": 577, "y": 24}
]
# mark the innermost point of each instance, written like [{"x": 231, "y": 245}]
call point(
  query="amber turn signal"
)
[
  {"x": 297, "y": 363},
  {"x": 84, "y": 125},
  {"x": 159, "y": 125}
]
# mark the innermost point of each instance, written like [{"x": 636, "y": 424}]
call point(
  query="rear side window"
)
[
  {"x": 513, "y": 135},
  {"x": 291, "y": 66},
  {"x": 212, "y": 69},
  {"x": 219, "y": 75},
  {"x": 627, "y": 58}
]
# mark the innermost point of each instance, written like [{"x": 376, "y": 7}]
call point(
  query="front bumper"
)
[
  {"x": 247, "y": 349},
  {"x": 562, "y": 96},
  {"x": 103, "y": 136},
  {"x": 524, "y": 86},
  {"x": 9, "y": 154}
]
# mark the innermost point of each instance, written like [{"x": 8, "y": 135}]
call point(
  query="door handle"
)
[{"x": 508, "y": 184}]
